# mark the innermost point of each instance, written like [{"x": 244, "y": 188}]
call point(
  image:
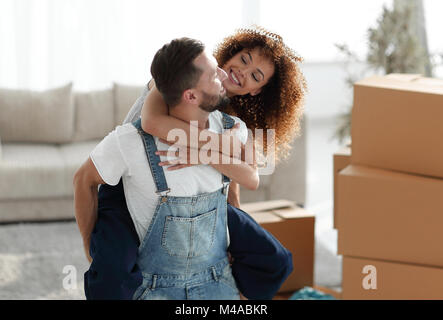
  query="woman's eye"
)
[
  {"x": 243, "y": 60},
  {"x": 255, "y": 78}
]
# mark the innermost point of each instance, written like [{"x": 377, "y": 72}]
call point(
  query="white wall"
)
[
  {"x": 311, "y": 27},
  {"x": 328, "y": 94},
  {"x": 45, "y": 43}
]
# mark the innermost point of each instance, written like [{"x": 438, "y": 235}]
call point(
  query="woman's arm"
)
[
  {"x": 157, "y": 121},
  {"x": 243, "y": 173},
  {"x": 240, "y": 171}
]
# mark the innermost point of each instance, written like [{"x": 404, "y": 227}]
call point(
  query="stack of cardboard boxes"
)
[{"x": 388, "y": 192}]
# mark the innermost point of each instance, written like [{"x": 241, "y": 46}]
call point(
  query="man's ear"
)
[
  {"x": 256, "y": 92},
  {"x": 189, "y": 96}
]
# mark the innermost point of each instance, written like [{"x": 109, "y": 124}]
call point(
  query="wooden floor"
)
[{"x": 287, "y": 295}]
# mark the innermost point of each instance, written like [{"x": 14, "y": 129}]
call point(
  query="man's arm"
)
[
  {"x": 86, "y": 181},
  {"x": 234, "y": 194}
]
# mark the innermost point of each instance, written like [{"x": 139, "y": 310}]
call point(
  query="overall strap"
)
[
  {"x": 228, "y": 123},
  {"x": 153, "y": 159}
]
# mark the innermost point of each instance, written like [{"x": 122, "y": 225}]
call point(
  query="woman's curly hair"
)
[{"x": 279, "y": 105}]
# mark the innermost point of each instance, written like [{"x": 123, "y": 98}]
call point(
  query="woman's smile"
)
[{"x": 233, "y": 77}]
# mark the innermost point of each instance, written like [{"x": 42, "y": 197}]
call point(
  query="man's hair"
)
[{"x": 173, "y": 68}]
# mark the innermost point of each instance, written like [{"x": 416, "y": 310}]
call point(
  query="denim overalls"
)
[
  {"x": 261, "y": 264},
  {"x": 184, "y": 252}
]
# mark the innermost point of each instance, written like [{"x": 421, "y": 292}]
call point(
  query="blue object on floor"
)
[{"x": 308, "y": 293}]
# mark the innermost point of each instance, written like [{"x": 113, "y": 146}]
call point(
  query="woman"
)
[{"x": 266, "y": 89}]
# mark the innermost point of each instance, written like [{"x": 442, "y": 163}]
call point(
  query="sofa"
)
[{"x": 45, "y": 136}]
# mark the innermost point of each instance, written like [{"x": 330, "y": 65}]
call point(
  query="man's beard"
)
[{"x": 213, "y": 102}]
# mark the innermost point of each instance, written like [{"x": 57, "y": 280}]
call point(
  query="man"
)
[
  {"x": 180, "y": 217},
  {"x": 121, "y": 154}
]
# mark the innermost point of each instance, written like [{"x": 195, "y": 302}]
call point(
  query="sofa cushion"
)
[
  {"x": 34, "y": 171},
  {"x": 31, "y": 171},
  {"x": 37, "y": 209},
  {"x": 94, "y": 114},
  {"x": 73, "y": 155},
  {"x": 124, "y": 98},
  {"x": 31, "y": 116}
]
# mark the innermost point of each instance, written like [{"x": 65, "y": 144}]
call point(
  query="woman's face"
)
[{"x": 248, "y": 71}]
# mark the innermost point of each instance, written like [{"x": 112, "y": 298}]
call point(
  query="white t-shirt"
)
[{"x": 121, "y": 154}]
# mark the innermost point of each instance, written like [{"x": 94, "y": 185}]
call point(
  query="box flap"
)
[
  {"x": 292, "y": 213},
  {"x": 265, "y": 217},
  {"x": 345, "y": 151},
  {"x": 415, "y": 78},
  {"x": 429, "y": 81},
  {"x": 403, "y": 76},
  {"x": 266, "y": 205},
  {"x": 404, "y": 82}
]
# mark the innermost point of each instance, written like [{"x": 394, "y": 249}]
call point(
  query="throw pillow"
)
[
  {"x": 94, "y": 114},
  {"x": 124, "y": 98},
  {"x": 37, "y": 116}
]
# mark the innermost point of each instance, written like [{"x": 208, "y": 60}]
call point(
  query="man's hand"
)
[{"x": 86, "y": 246}]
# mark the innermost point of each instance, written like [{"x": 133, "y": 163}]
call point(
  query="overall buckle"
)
[{"x": 163, "y": 194}]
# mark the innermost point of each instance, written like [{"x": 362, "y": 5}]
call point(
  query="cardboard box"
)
[
  {"x": 261, "y": 206},
  {"x": 397, "y": 124},
  {"x": 390, "y": 216},
  {"x": 341, "y": 159},
  {"x": 366, "y": 279},
  {"x": 294, "y": 228}
]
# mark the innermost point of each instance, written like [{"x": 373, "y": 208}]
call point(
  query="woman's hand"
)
[
  {"x": 239, "y": 171},
  {"x": 186, "y": 156},
  {"x": 182, "y": 158}
]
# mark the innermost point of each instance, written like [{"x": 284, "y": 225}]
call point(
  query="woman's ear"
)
[{"x": 256, "y": 92}]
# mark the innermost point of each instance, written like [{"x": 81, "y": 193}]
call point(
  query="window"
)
[{"x": 94, "y": 42}]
